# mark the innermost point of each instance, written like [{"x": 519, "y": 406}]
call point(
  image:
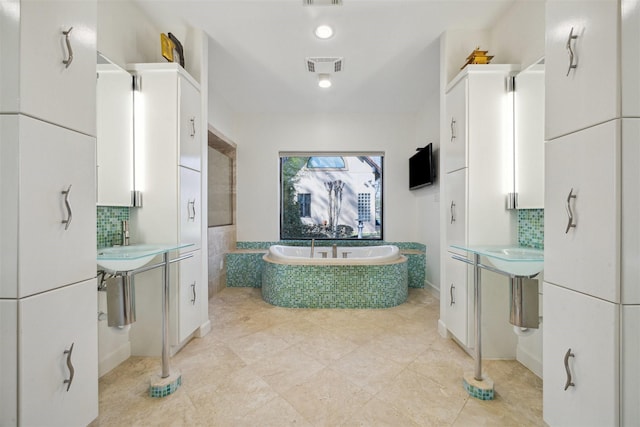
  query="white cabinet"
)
[
  {"x": 33, "y": 231},
  {"x": 167, "y": 164},
  {"x": 35, "y": 81},
  {"x": 581, "y": 211},
  {"x": 475, "y": 136},
  {"x": 580, "y": 340},
  {"x": 47, "y": 325},
  {"x": 455, "y": 144},
  {"x": 604, "y": 83}
]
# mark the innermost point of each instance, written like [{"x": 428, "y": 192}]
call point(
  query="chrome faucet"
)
[
  {"x": 125, "y": 233},
  {"x": 334, "y": 251},
  {"x": 313, "y": 247}
]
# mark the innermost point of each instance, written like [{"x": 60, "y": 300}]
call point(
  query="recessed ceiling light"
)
[
  {"x": 324, "y": 81},
  {"x": 323, "y": 32}
]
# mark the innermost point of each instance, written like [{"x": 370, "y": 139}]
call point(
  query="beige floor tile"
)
[{"x": 271, "y": 366}]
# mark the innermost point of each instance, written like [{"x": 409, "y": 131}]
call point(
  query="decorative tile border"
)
[
  {"x": 335, "y": 286},
  {"x": 531, "y": 228},
  {"x": 109, "y": 224}
]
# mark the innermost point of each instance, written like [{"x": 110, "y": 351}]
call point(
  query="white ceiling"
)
[{"x": 257, "y": 50}]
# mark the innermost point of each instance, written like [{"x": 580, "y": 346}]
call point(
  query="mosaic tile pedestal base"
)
[
  {"x": 482, "y": 390},
  {"x": 162, "y": 387}
]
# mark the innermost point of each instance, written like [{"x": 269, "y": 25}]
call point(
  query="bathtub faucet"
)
[
  {"x": 313, "y": 247},
  {"x": 334, "y": 251}
]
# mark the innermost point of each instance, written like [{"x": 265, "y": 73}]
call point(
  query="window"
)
[
  {"x": 346, "y": 189},
  {"x": 304, "y": 200}
]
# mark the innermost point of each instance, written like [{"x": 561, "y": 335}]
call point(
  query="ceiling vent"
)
[
  {"x": 324, "y": 65},
  {"x": 322, "y": 2}
]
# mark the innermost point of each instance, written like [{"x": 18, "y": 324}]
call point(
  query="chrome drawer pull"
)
[
  {"x": 69, "y": 59},
  {"x": 193, "y": 126},
  {"x": 193, "y": 289},
  {"x": 452, "y": 299},
  {"x": 570, "y": 224},
  {"x": 453, "y": 128},
  {"x": 453, "y": 212},
  {"x": 571, "y": 54},
  {"x": 569, "y": 382},
  {"x": 191, "y": 205},
  {"x": 72, "y": 371},
  {"x": 67, "y": 222}
]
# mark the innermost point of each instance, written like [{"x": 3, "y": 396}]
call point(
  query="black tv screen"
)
[{"x": 421, "y": 168}]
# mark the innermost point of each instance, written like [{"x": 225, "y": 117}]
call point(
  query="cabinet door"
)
[
  {"x": 455, "y": 145},
  {"x": 630, "y": 369},
  {"x": 50, "y": 324},
  {"x": 587, "y": 94},
  {"x": 586, "y": 329},
  {"x": 37, "y": 204},
  {"x": 8, "y": 362},
  {"x": 190, "y": 208},
  {"x": 581, "y": 225},
  {"x": 190, "y": 125},
  {"x": 456, "y": 207},
  {"x": 456, "y": 298},
  {"x": 191, "y": 295},
  {"x": 40, "y": 84}
]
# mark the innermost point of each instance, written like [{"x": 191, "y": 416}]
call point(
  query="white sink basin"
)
[
  {"x": 518, "y": 261},
  {"x": 127, "y": 258}
]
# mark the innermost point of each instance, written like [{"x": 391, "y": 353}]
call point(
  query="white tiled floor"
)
[{"x": 269, "y": 366}]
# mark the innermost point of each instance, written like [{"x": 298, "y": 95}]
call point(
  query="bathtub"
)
[{"x": 358, "y": 277}]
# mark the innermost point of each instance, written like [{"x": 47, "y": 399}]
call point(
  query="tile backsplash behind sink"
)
[
  {"x": 531, "y": 228},
  {"x": 109, "y": 225}
]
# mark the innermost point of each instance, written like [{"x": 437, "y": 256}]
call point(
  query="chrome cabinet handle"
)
[
  {"x": 67, "y": 222},
  {"x": 69, "y": 59},
  {"x": 72, "y": 371},
  {"x": 452, "y": 299},
  {"x": 193, "y": 289},
  {"x": 453, "y": 128},
  {"x": 570, "y": 224},
  {"x": 569, "y": 382},
  {"x": 453, "y": 212},
  {"x": 193, "y": 126},
  {"x": 570, "y": 50},
  {"x": 191, "y": 205}
]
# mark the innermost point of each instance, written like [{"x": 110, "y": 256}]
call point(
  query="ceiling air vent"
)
[
  {"x": 322, "y": 2},
  {"x": 324, "y": 65}
]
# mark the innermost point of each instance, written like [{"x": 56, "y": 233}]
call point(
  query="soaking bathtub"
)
[{"x": 356, "y": 277}]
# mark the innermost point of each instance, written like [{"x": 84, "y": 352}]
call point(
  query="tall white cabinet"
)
[
  {"x": 48, "y": 291},
  {"x": 168, "y": 171},
  {"x": 475, "y": 173},
  {"x": 591, "y": 344}
]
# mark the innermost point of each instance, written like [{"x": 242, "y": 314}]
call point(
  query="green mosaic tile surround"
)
[
  {"x": 244, "y": 269},
  {"x": 531, "y": 228},
  {"x": 109, "y": 225},
  {"x": 335, "y": 286},
  {"x": 477, "y": 392}
]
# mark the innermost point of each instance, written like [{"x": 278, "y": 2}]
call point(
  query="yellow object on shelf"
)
[
  {"x": 478, "y": 57},
  {"x": 167, "y": 47}
]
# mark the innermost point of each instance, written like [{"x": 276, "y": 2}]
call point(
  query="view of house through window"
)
[{"x": 331, "y": 195}]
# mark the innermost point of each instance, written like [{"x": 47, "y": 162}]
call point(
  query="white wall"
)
[{"x": 260, "y": 137}]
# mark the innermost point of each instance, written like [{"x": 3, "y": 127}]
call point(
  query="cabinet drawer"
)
[
  {"x": 588, "y": 328},
  {"x": 583, "y": 176},
  {"x": 35, "y": 79},
  {"x": 50, "y": 253},
  {"x": 587, "y": 95},
  {"x": 456, "y": 298},
  {"x": 455, "y": 144},
  {"x": 191, "y": 295},
  {"x": 190, "y": 208},
  {"x": 456, "y": 208},
  {"x": 50, "y": 323},
  {"x": 191, "y": 139}
]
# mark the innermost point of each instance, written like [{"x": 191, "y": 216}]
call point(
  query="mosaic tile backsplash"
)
[
  {"x": 531, "y": 228},
  {"x": 109, "y": 225}
]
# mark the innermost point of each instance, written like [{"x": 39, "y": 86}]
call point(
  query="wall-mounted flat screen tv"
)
[{"x": 422, "y": 170}]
